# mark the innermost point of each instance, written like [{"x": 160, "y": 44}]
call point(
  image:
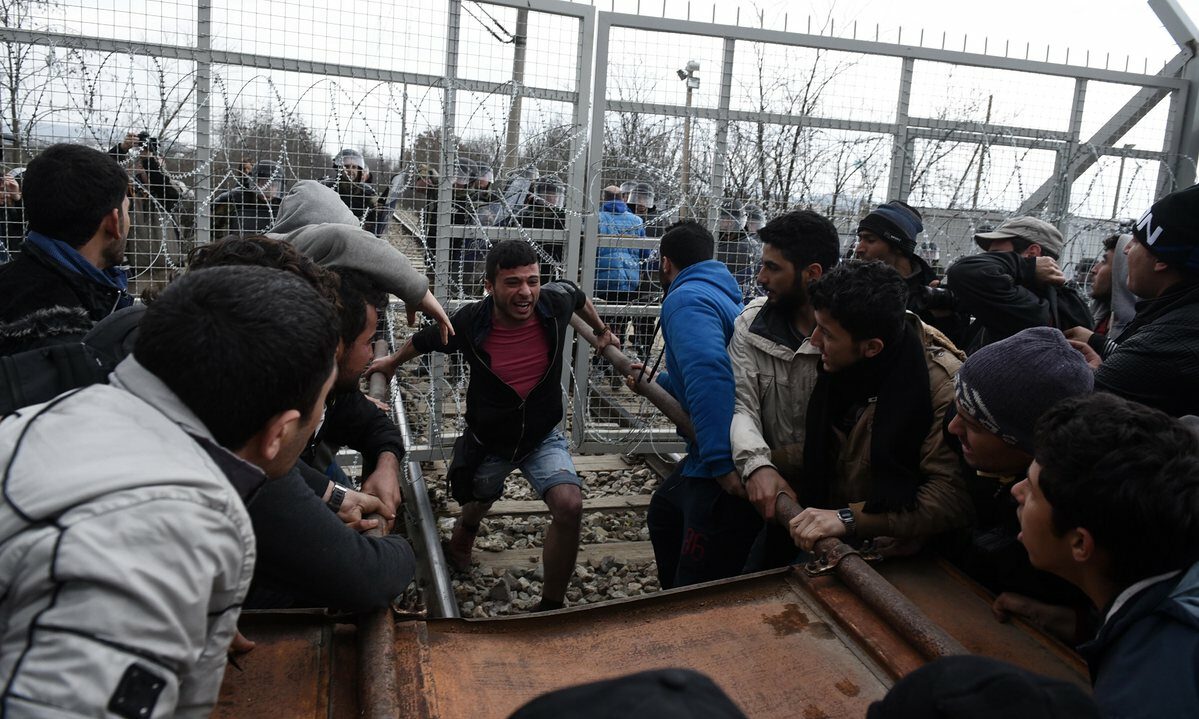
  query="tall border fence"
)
[{"x": 472, "y": 122}]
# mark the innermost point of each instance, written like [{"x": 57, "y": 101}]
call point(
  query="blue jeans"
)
[{"x": 548, "y": 465}]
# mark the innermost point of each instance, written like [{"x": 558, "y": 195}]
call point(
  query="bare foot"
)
[
  {"x": 240, "y": 644},
  {"x": 458, "y": 549}
]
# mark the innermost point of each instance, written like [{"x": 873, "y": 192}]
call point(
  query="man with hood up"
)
[
  {"x": 700, "y": 523},
  {"x": 314, "y": 219}
]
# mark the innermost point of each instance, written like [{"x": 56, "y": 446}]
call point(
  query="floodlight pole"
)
[
  {"x": 688, "y": 76},
  {"x": 519, "y": 46}
]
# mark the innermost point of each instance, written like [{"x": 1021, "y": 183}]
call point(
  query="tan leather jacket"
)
[{"x": 942, "y": 502}]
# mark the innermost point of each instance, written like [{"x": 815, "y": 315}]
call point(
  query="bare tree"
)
[
  {"x": 26, "y": 71},
  {"x": 263, "y": 136}
]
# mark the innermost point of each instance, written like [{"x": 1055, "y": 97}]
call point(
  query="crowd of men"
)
[{"x": 169, "y": 462}]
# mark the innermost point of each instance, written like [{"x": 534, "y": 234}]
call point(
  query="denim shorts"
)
[{"x": 548, "y": 465}]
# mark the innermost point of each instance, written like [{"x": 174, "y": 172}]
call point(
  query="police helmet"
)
[
  {"x": 755, "y": 218},
  {"x": 732, "y": 216},
  {"x": 642, "y": 195}
]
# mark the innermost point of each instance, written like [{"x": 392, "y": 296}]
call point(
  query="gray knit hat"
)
[{"x": 1008, "y": 385}]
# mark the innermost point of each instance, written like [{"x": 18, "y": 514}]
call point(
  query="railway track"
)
[
  {"x": 852, "y": 630},
  {"x": 823, "y": 640}
]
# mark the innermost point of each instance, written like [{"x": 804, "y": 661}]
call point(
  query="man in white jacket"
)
[{"x": 125, "y": 547}]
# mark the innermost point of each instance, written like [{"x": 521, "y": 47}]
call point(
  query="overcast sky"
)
[{"x": 1125, "y": 28}]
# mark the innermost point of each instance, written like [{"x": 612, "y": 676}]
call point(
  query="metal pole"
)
[
  {"x": 377, "y": 688},
  {"x": 652, "y": 391},
  {"x": 880, "y": 595},
  {"x": 1119, "y": 182},
  {"x": 900, "y": 183},
  {"x": 581, "y": 259},
  {"x": 722, "y": 131},
  {"x": 982, "y": 157},
  {"x": 203, "y": 151},
  {"x": 685, "y": 178},
  {"x": 422, "y": 521},
  {"x": 445, "y": 209},
  {"x": 519, "y": 42}
]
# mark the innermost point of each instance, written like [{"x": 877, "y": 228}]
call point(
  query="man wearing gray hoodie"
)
[{"x": 314, "y": 219}]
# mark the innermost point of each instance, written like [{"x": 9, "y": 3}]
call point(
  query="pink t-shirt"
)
[{"x": 520, "y": 356}]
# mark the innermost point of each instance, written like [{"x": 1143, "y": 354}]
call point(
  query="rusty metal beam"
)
[
  {"x": 900, "y": 613},
  {"x": 652, "y": 391},
  {"x": 378, "y": 694}
]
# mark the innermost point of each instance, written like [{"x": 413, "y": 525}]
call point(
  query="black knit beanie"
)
[
  {"x": 895, "y": 222},
  {"x": 1170, "y": 229}
]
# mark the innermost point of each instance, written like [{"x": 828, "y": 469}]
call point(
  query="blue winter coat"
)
[
  {"x": 618, "y": 269},
  {"x": 1145, "y": 659},
  {"x": 697, "y": 323}
]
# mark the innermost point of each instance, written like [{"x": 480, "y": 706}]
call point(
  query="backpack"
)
[{"x": 39, "y": 375}]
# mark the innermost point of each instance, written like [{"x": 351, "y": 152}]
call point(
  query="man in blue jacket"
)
[
  {"x": 1111, "y": 504},
  {"x": 700, "y": 522}
]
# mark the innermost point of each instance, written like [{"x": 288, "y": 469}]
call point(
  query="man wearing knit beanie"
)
[
  {"x": 1156, "y": 361},
  {"x": 1000, "y": 392},
  {"x": 889, "y": 234},
  {"x": 1015, "y": 283}
]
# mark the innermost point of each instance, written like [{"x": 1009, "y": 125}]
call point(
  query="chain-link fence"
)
[{"x": 446, "y": 125}]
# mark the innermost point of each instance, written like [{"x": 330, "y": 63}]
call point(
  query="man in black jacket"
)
[
  {"x": 1016, "y": 283},
  {"x": 514, "y": 340},
  {"x": 69, "y": 274},
  {"x": 351, "y": 419},
  {"x": 308, "y": 555},
  {"x": 1156, "y": 361}
]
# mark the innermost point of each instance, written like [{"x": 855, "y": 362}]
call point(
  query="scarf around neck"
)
[
  {"x": 69, "y": 259},
  {"x": 897, "y": 381}
]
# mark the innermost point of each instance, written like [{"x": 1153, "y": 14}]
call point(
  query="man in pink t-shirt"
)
[{"x": 514, "y": 340}]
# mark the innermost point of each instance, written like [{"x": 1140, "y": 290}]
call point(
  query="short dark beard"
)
[{"x": 795, "y": 300}]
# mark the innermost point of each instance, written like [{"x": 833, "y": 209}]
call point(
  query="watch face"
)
[{"x": 845, "y": 515}]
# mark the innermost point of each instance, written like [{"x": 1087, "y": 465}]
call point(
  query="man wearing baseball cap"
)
[
  {"x": 1016, "y": 283},
  {"x": 1156, "y": 361}
]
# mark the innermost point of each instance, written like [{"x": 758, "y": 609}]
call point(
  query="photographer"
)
[
  {"x": 1016, "y": 283},
  {"x": 147, "y": 178}
]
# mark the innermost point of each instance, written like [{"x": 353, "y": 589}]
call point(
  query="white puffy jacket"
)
[{"x": 125, "y": 553}]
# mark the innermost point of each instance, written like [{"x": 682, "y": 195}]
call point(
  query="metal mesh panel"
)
[{"x": 470, "y": 122}]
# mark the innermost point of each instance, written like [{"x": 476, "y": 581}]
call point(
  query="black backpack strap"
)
[
  {"x": 113, "y": 336},
  {"x": 39, "y": 375}
]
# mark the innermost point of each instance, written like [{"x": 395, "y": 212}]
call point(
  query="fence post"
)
[
  {"x": 716, "y": 184},
  {"x": 203, "y": 149},
  {"x": 900, "y": 183}
]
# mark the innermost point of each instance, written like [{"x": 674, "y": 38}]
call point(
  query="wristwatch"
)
[
  {"x": 846, "y": 517},
  {"x": 338, "y": 496},
  {"x": 601, "y": 331}
]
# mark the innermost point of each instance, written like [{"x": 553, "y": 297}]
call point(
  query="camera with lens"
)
[
  {"x": 148, "y": 142},
  {"x": 939, "y": 298}
]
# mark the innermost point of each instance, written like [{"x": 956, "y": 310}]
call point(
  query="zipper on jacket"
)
[{"x": 523, "y": 401}]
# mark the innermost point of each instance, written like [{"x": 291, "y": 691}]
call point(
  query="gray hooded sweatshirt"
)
[{"x": 314, "y": 219}]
